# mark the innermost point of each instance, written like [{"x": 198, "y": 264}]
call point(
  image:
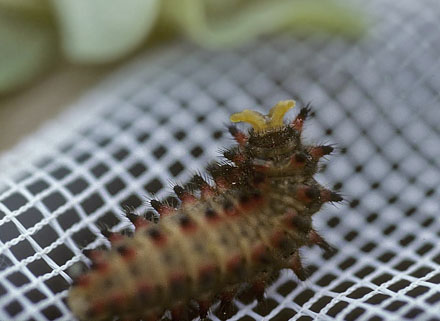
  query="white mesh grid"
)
[{"x": 162, "y": 117}]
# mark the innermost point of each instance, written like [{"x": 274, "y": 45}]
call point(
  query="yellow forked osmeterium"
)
[{"x": 261, "y": 122}]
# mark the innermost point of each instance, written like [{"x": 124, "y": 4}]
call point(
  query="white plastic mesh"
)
[{"x": 162, "y": 117}]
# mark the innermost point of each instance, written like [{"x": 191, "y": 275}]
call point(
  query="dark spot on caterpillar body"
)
[{"x": 244, "y": 228}]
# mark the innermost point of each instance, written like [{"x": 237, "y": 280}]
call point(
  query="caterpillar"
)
[{"x": 234, "y": 232}]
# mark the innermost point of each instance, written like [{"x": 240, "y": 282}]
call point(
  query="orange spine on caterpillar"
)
[{"x": 242, "y": 229}]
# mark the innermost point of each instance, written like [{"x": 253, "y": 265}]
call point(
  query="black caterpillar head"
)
[{"x": 273, "y": 145}]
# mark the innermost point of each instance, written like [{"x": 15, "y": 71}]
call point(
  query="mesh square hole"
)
[
  {"x": 265, "y": 307},
  {"x": 22, "y": 250},
  {"x": 342, "y": 287},
  {"x": 154, "y": 186},
  {"x": 39, "y": 267},
  {"x": 320, "y": 304},
  {"x": 347, "y": 263},
  {"x": 92, "y": 203},
  {"x": 54, "y": 201},
  {"x": 395, "y": 305},
  {"x": 131, "y": 201},
  {"x": 99, "y": 170},
  {"x": 304, "y": 297},
  {"x": 115, "y": 186},
  {"x": 365, "y": 271},
  {"x": 52, "y": 312},
  {"x": 326, "y": 280},
  {"x": 407, "y": 240},
  {"x": 404, "y": 265},
  {"x": 377, "y": 299},
  {"x": 60, "y": 172},
  {"x": 217, "y": 134},
  {"x": 77, "y": 186},
  {"x": 83, "y": 237},
  {"x": 37, "y": 186},
  {"x": 57, "y": 284},
  {"x": 354, "y": 314},
  {"x": 287, "y": 288},
  {"x": 176, "y": 168},
  {"x": 385, "y": 277},
  {"x": 83, "y": 157},
  {"x": 359, "y": 293},
  {"x": 2, "y": 290},
  {"x": 180, "y": 135},
  {"x": 121, "y": 154},
  {"x": 159, "y": 152},
  {"x": 30, "y": 217},
  {"x": 61, "y": 254},
  {"x": 413, "y": 313},
  {"x": 399, "y": 285},
  {"x": 417, "y": 291},
  {"x": 375, "y": 318},
  {"x": 435, "y": 279},
  {"x": 425, "y": 248},
  {"x": 137, "y": 169},
  {"x": 68, "y": 218},
  {"x": 421, "y": 272},
  {"x": 5, "y": 262},
  {"x": 43, "y": 161},
  {"x": 284, "y": 314},
  {"x": 197, "y": 151},
  {"x": 433, "y": 299},
  {"x": 18, "y": 279},
  {"x": 333, "y": 222},
  {"x": 436, "y": 259},
  {"x": 8, "y": 231},
  {"x": 368, "y": 247},
  {"x": 337, "y": 308},
  {"x": 13, "y": 308},
  {"x": 14, "y": 201},
  {"x": 142, "y": 137},
  {"x": 45, "y": 236},
  {"x": 108, "y": 220},
  {"x": 35, "y": 296},
  {"x": 386, "y": 256}
]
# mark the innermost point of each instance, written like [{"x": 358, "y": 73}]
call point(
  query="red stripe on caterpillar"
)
[{"x": 243, "y": 229}]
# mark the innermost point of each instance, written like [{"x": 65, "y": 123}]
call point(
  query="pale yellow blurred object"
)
[
  {"x": 215, "y": 23},
  {"x": 100, "y": 31}
]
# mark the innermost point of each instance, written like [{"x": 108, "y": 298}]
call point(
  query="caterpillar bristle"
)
[
  {"x": 307, "y": 194},
  {"x": 297, "y": 267},
  {"x": 206, "y": 190},
  {"x": 301, "y": 118},
  {"x": 132, "y": 217},
  {"x": 318, "y": 152},
  {"x": 330, "y": 196},
  {"x": 113, "y": 237},
  {"x": 184, "y": 195},
  {"x": 241, "y": 224},
  {"x": 317, "y": 239},
  {"x": 204, "y": 306},
  {"x": 238, "y": 135},
  {"x": 258, "y": 289},
  {"x": 161, "y": 208}
]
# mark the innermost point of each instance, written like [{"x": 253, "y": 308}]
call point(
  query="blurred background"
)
[
  {"x": 53, "y": 51},
  {"x": 104, "y": 103}
]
